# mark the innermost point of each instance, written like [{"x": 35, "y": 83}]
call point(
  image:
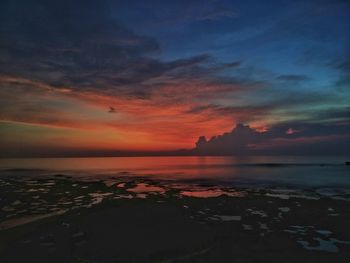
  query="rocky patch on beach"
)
[{"x": 58, "y": 219}]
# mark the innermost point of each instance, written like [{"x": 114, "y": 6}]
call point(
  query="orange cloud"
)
[{"x": 167, "y": 120}]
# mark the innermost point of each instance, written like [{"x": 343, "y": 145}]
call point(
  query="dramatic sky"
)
[{"x": 88, "y": 75}]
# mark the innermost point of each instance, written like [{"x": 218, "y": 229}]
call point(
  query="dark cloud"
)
[
  {"x": 343, "y": 83},
  {"x": 217, "y": 14},
  {"x": 285, "y": 138},
  {"x": 235, "y": 142},
  {"x": 294, "y": 78},
  {"x": 78, "y": 44},
  {"x": 308, "y": 129},
  {"x": 241, "y": 114},
  {"x": 339, "y": 114},
  {"x": 343, "y": 67},
  {"x": 73, "y": 42}
]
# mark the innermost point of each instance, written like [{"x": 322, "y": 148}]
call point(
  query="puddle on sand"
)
[
  {"x": 123, "y": 196},
  {"x": 315, "y": 239},
  {"x": 257, "y": 212},
  {"x": 210, "y": 193},
  {"x": 226, "y": 218},
  {"x": 8, "y": 209},
  {"x": 287, "y": 194},
  {"x": 263, "y": 226},
  {"x": 324, "y": 245},
  {"x": 146, "y": 188},
  {"x": 121, "y": 185},
  {"x": 247, "y": 227},
  {"x": 98, "y": 198},
  {"x": 333, "y": 214},
  {"x": 284, "y": 209},
  {"x": 109, "y": 183},
  {"x": 142, "y": 196}
]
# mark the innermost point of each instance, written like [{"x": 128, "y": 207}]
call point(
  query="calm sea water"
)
[{"x": 293, "y": 171}]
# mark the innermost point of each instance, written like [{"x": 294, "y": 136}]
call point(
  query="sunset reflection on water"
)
[{"x": 309, "y": 171}]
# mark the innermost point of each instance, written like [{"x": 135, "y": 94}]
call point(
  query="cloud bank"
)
[
  {"x": 169, "y": 67},
  {"x": 282, "y": 139}
]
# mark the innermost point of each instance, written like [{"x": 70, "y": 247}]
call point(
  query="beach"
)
[
  {"x": 59, "y": 218},
  {"x": 174, "y": 131}
]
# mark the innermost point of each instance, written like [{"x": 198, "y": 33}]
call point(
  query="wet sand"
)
[{"x": 59, "y": 219}]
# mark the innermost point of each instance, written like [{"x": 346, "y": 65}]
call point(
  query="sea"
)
[{"x": 249, "y": 171}]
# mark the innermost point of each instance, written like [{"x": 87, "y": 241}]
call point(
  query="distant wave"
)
[
  {"x": 264, "y": 165},
  {"x": 267, "y": 165},
  {"x": 22, "y": 170},
  {"x": 290, "y": 164}
]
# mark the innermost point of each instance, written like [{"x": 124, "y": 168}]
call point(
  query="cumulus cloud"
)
[
  {"x": 303, "y": 138},
  {"x": 234, "y": 142}
]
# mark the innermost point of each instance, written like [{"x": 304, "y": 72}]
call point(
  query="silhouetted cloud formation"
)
[
  {"x": 287, "y": 138},
  {"x": 234, "y": 142}
]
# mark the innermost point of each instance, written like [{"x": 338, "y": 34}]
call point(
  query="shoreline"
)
[{"x": 202, "y": 221}]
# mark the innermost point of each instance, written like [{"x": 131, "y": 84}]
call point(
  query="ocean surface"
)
[{"x": 300, "y": 172}]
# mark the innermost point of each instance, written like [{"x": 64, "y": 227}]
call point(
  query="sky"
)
[{"x": 101, "y": 76}]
